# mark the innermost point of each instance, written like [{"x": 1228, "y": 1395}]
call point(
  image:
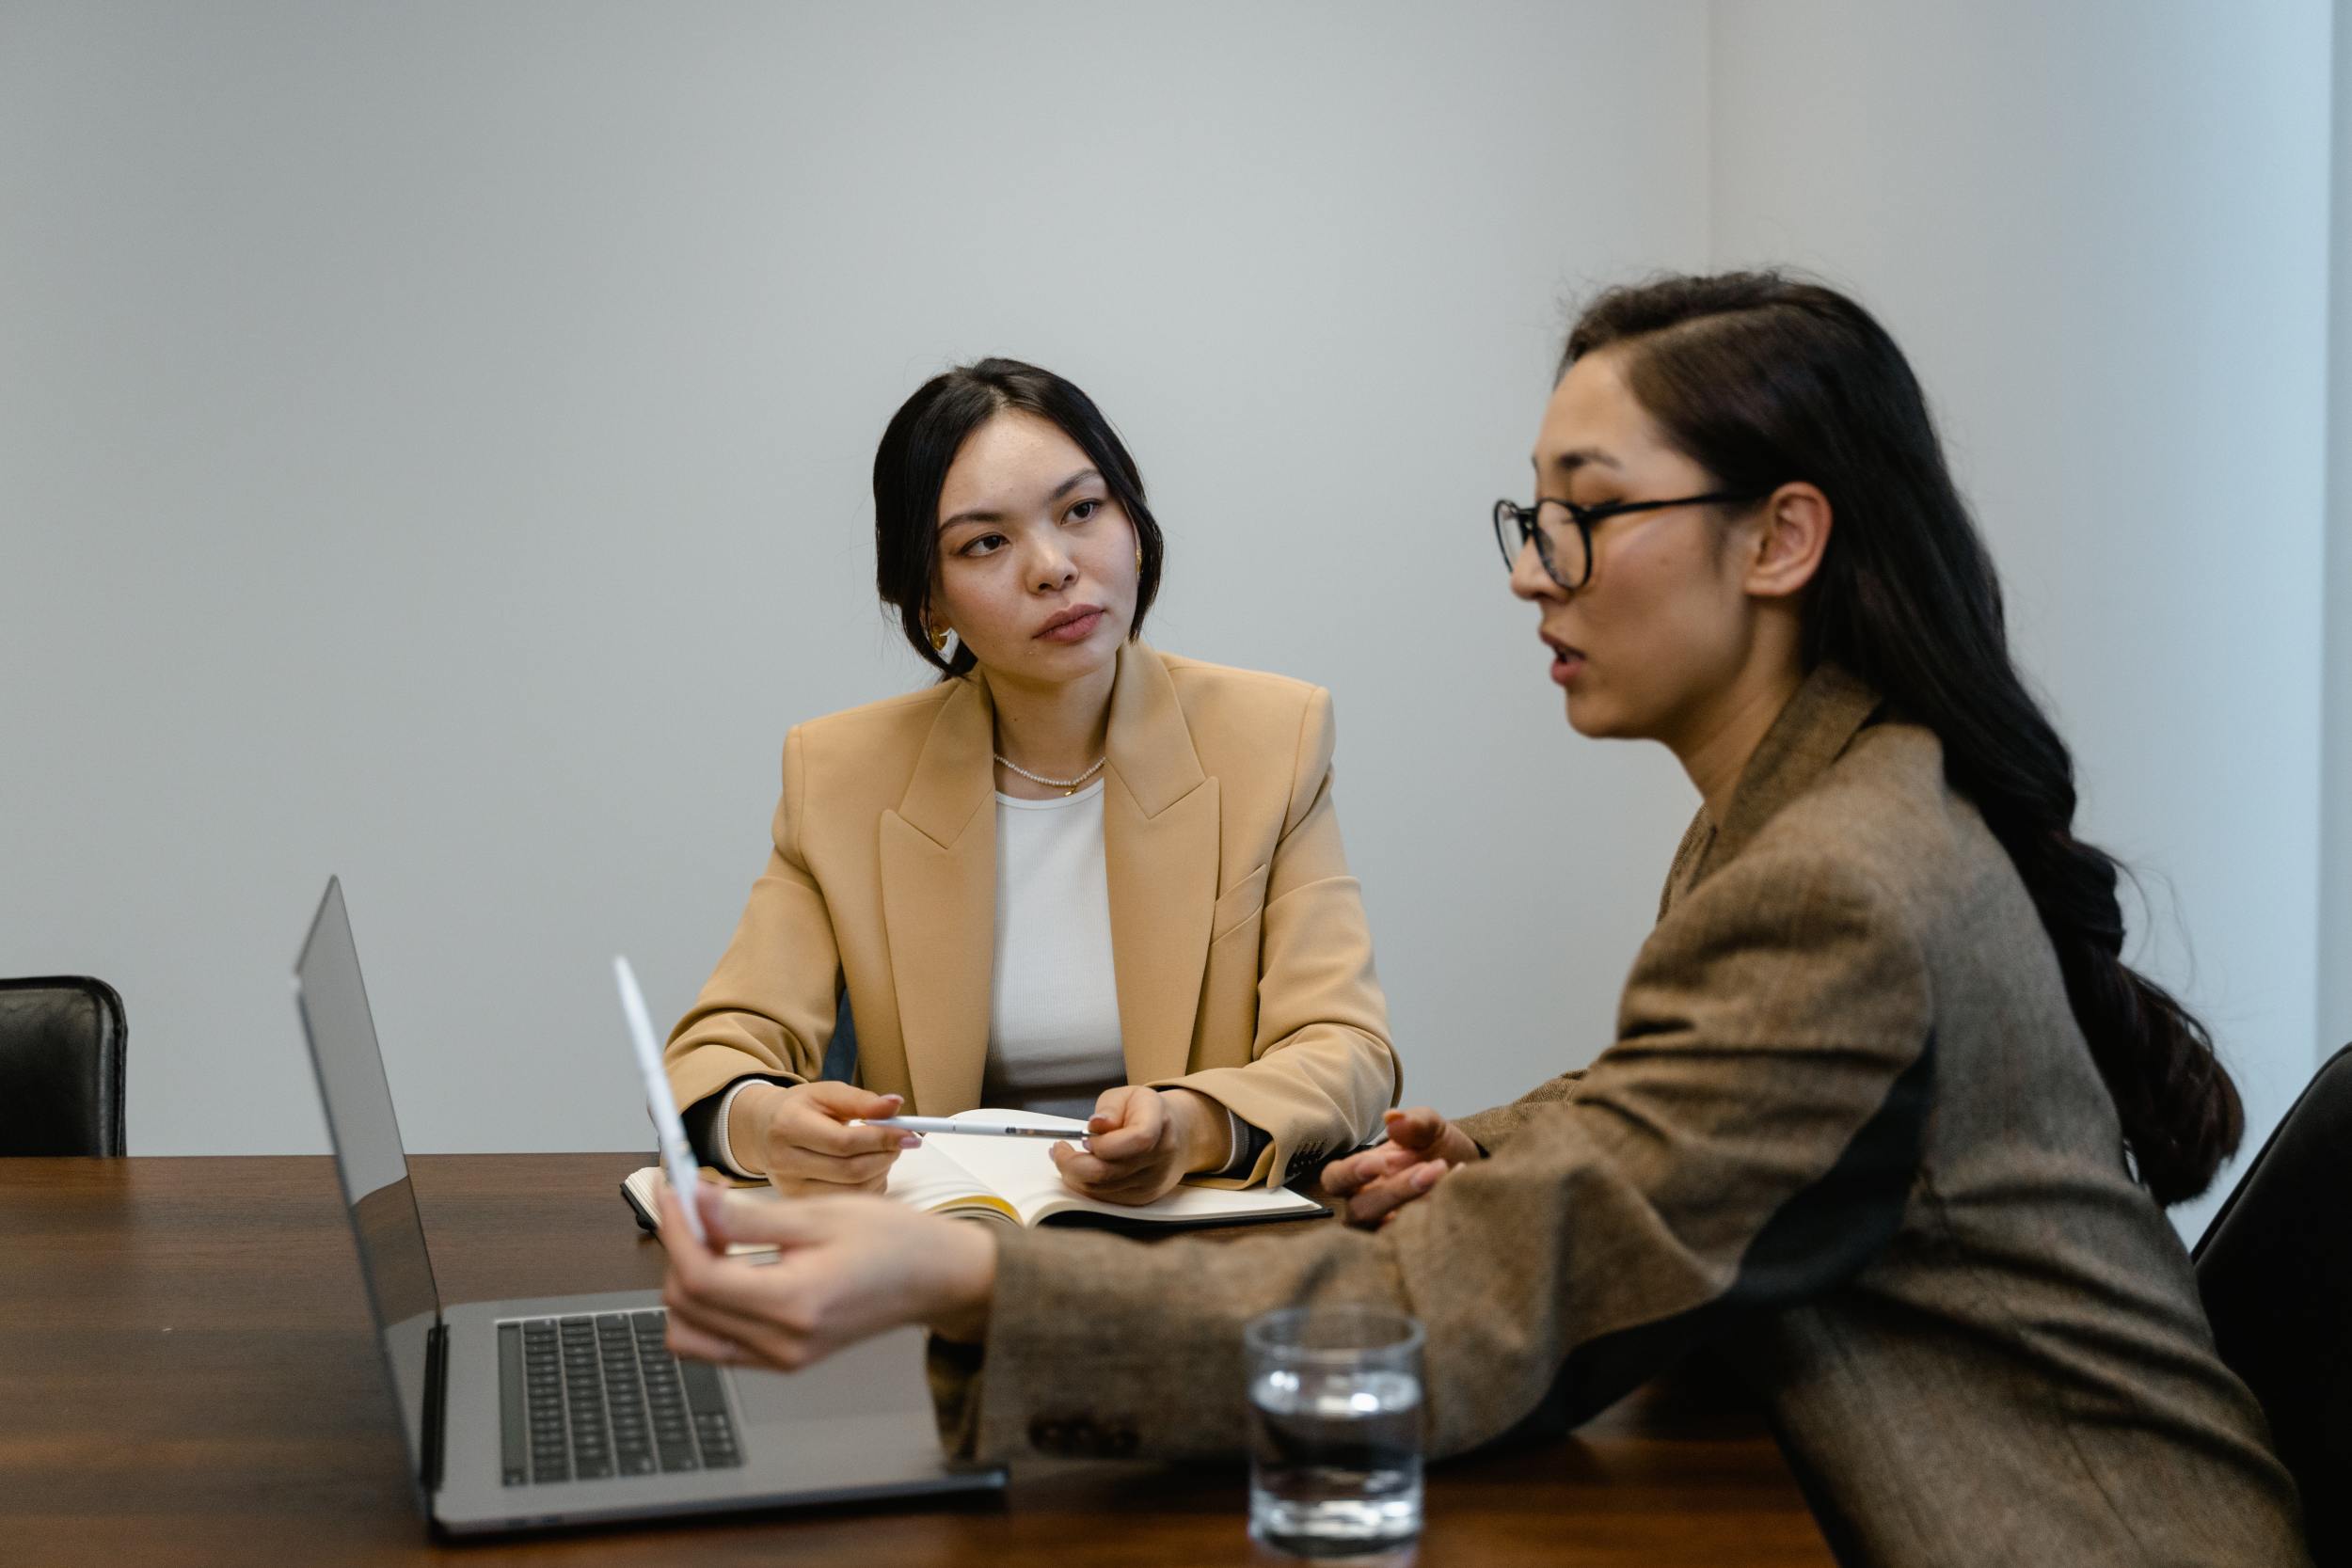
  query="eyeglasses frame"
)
[{"x": 1527, "y": 520}]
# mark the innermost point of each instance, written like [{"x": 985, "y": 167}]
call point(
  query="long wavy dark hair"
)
[{"x": 1764, "y": 379}]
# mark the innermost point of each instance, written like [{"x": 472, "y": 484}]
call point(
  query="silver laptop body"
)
[{"x": 567, "y": 1410}]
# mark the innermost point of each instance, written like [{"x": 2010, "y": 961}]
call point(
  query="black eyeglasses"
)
[{"x": 1567, "y": 554}]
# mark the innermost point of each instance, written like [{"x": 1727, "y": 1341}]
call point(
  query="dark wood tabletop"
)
[{"x": 187, "y": 1375}]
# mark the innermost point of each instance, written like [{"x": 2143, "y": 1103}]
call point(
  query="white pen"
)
[
  {"x": 676, "y": 1158},
  {"x": 979, "y": 1128}
]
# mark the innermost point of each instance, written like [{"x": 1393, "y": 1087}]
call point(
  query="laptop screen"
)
[{"x": 368, "y": 1155}]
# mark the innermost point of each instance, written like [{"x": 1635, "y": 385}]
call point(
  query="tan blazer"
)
[
  {"x": 1848, "y": 1134},
  {"x": 1243, "y": 961}
]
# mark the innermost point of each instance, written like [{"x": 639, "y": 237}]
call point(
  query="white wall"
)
[
  {"x": 2335, "y": 865},
  {"x": 434, "y": 440},
  {"x": 435, "y": 447},
  {"x": 2101, "y": 232}
]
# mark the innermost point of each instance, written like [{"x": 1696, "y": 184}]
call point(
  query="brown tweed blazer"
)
[{"x": 1848, "y": 1134}]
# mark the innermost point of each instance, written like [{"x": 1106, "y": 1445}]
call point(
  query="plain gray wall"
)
[
  {"x": 2101, "y": 231},
  {"x": 2335, "y": 923},
  {"x": 434, "y": 449}
]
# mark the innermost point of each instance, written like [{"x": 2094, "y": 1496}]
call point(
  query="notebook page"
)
[
  {"x": 645, "y": 1184},
  {"x": 1188, "y": 1205},
  {"x": 1023, "y": 1170},
  {"x": 928, "y": 1178}
]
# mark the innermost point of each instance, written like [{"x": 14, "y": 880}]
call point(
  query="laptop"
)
[{"x": 570, "y": 1410}]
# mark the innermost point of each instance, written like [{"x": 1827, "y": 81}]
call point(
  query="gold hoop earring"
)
[
  {"x": 938, "y": 641},
  {"x": 1138, "y": 558}
]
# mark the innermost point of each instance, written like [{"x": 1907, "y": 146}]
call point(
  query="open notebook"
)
[{"x": 1013, "y": 1182}]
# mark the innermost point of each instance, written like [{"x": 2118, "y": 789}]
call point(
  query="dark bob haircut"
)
[{"x": 910, "y": 469}]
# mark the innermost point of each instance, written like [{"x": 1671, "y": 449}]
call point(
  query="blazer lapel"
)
[
  {"x": 1689, "y": 856},
  {"x": 938, "y": 904},
  {"x": 1160, "y": 848},
  {"x": 1828, "y": 711}
]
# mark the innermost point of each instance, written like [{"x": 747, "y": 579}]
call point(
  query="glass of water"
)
[{"x": 1335, "y": 1439}]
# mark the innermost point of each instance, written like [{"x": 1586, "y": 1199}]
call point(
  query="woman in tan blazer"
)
[
  {"x": 1076, "y": 874},
  {"x": 1886, "y": 1122}
]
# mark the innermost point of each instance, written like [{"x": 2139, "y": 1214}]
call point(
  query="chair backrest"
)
[
  {"x": 2275, "y": 1269},
  {"x": 62, "y": 1041}
]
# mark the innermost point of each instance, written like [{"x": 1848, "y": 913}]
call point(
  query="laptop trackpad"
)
[
  {"x": 858, "y": 1418},
  {"x": 883, "y": 1376}
]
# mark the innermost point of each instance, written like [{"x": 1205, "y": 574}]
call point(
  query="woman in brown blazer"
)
[
  {"x": 1887, "y": 1123},
  {"x": 1075, "y": 876}
]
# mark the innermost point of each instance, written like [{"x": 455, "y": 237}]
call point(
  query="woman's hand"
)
[
  {"x": 1422, "y": 1146},
  {"x": 1141, "y": 1142},
  {"x": 801, "y": 1140},
  {"x": 848, "y": 1268}
]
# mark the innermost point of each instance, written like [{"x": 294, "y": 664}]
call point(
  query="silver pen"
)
[{"x": 978, "y": 1128}]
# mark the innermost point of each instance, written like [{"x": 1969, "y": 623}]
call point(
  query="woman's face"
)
[
  {"x": 1661, "y": 626},
  {"x": 1037, "y": 560}
]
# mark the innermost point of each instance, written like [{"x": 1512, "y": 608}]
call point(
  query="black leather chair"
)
[
  {"x": 2274, "y": 1268},
  {"x": 61, "y": 1056}
]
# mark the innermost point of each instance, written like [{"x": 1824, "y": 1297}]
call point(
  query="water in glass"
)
[{"x": 1336, "y": 1455}]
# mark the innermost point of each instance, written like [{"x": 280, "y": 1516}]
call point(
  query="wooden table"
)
[{"x": 187, "y": 1375}]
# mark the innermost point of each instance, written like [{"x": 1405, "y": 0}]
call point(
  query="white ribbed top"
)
[{"x": 1052, "y": 1025}]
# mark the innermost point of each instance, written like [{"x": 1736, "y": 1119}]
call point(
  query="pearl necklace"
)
[{"x": 1067, "y": 786}]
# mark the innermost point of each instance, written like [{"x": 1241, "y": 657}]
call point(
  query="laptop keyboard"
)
[{"x": 586, "y": 1397}]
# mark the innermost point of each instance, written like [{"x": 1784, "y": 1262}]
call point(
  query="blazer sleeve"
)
[
  {"x": 1749, "y": 1141},
  {"x": 769, "y": 1010},
  {"x": 1321, "y": 1067},
  {"x": 1493, "y": 1129}
]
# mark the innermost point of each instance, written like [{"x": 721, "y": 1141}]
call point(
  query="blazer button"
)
[
  {"x": 1118, "y": 1443},
  {"x": 1047, "y": 1437}
]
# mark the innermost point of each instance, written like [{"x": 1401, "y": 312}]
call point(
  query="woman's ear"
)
[{"x": 1795, "y": 524}]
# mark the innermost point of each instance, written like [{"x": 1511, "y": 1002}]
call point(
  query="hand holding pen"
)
[
  {"x": 823, "y": 1138},
  {"x": 1141, "y": 1142}
]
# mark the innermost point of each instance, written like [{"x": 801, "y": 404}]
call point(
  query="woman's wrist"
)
[
  {"x": 967, "y": 1284},
  {"x": 747, "y": 1126},
  {"x": 1459, "y": 1147},
  {"x": 1204, "y": 1132}
]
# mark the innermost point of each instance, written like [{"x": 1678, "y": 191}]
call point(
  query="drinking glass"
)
[{"x": 1335, "y": 1442}]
